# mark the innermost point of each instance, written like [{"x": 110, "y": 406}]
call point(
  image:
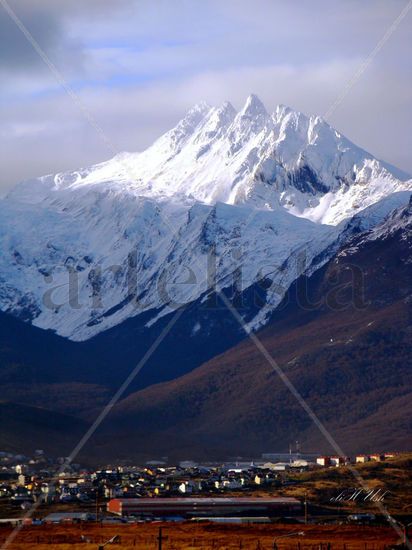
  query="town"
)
[
  {"x": 304, "y": 499},
  {"x": 52, "y": 490}
]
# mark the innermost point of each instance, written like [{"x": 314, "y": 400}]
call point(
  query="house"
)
[
  {"x": 232, "y": 484},
  {"x": 187, "y": 487},
  {"x": 360, "y": 459},
  {"x": 389, "y": 455},
  {"x": 238, "y": 467},
  {"x": 281, "y": 466},
  {"x": 23, "y": 480},
  {"x": 323, "y": 461},
  {"x": 339, "y": 460},
  {"x": 377, "y": 457},
  {"x": 300, "y": 463},
  {"x": 259, "y": 479}
]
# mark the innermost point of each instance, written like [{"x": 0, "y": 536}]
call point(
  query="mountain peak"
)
[
  {"x": 283, "y": 112},
  {"x": 196, "y": 113},
  {"x": 185, "y": 128},
  {"x": 266, "y": 160},
  {"x": 227, "y": 107},
  {"x": 253, "y": 107},
  {"x": 224, "y": 114},
  {"x": 282, "y": 109},
  {"x": 201, "y": 107}
]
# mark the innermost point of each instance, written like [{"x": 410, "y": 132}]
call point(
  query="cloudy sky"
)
[{"x": 136, "y": 66}]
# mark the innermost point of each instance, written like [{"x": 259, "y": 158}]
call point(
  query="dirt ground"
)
[{"x": 191, "y": 536}]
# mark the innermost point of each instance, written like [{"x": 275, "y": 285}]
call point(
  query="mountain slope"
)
[
  {"x": 25, "y": 429},
  {"x": 142, "y": 233},
  {"x": 31, "y": 358},
  {"x": 343, "y": 338},
  {"x": 80, "y": 289}
]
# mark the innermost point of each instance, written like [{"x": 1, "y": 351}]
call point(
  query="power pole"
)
[{"x": 160, "y": 539}]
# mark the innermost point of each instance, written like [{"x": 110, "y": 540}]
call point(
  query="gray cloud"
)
[
  {"x": 49, "y": 23},
  {"x": 16, "y": 53},
  {"x": 139, "y": 65}
]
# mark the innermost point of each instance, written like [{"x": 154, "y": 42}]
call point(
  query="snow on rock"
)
[{"x": 255, "y": 192}]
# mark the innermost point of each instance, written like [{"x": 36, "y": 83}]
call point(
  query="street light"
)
[{"x": 293, "y": 534}]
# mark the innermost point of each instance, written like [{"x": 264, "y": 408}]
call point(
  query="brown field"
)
[{"x": 207, "y": 536}]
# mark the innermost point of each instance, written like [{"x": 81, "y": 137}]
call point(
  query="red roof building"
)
[{"x": 195, "y": 507}]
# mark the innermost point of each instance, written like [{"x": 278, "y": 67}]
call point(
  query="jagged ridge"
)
[{"x": 268, "y": 186}]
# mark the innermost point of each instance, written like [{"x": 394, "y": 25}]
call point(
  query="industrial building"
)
[{"x": 198, "y": 507}]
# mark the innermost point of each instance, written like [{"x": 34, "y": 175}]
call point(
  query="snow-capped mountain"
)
[{"x": 223, "y": 197}]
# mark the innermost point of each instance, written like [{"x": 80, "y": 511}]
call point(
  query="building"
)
[
  {"x": 390, "y": 455},
  {"x": 68, "y": 517},
  {"x": 377, "y": 457},
  {"x": 323, "y": 461},
  {"x": 186, "y": 487},
  {"x": 300, "y": 464},
  {"x": 278, "y": 467},
  {"x": 360, "y": 459},
  {"x": 332, "y": 460},
  {"x": 339, "y": 460},
  {"x": 198, "y": 507}
]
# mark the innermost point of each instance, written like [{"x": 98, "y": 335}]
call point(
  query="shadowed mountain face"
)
[
  {"x": 342, "y": 337},
  {"x": 25, "y": 428}
]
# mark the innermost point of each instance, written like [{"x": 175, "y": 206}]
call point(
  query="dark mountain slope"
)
[
  {"x": 30, "y": 356},
  {"x": 24, "y": 429},
  {"x": 350, "y": 357}
]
